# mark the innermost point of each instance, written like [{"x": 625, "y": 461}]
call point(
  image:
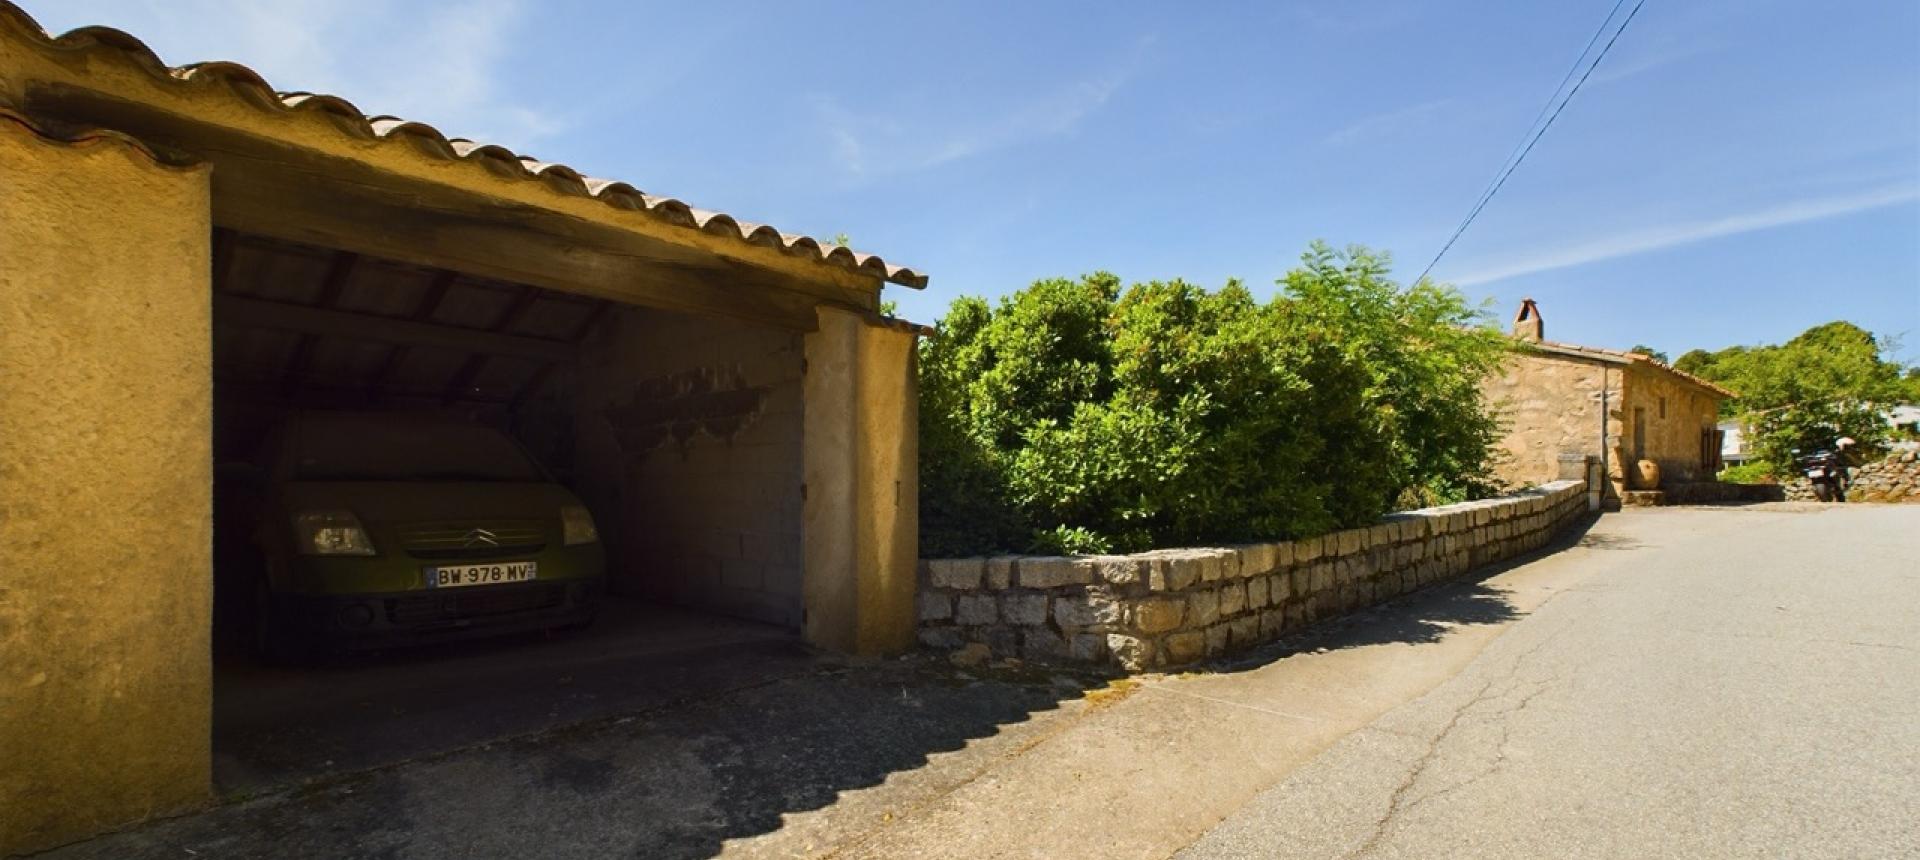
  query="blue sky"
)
[{"x": 1733, "y": 173}]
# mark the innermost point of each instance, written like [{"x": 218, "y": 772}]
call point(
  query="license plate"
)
[
  {"x": 1817, "y": 473},
  {"x": 461, "y": 575}
]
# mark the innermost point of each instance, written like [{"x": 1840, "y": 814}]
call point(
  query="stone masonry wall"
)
[
  {"x": 1167, "y": 608},
  {"x": 1894, "y": 479},
  {"x": 1548, "y": 405}
]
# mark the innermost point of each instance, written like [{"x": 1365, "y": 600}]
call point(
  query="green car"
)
[{"x": 368, "y": 530}]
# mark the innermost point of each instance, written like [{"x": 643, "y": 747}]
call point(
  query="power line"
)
[
  {"x": 1513, "y": 163},
  {"x": 1574, "y": 69}
]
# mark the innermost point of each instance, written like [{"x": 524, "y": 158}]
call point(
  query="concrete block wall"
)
[
  {"x": 1167, "y": 608},
  {"x": 689, "y": 434}
]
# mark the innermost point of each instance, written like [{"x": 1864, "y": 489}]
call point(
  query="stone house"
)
[
  {"x": 185, "y": 249},
  {"x": 1563, "y": 400}
]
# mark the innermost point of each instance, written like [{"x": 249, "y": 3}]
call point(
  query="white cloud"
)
[
  {"x": 444, "y": 63},
  {"x": 1386, "y": 123},
  {"x": 1649, "y": 60},
  {"x": 868, "y": 143},
  {"x": 1670, "y": 235}
]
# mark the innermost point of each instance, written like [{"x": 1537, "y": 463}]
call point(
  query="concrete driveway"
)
[
  {"x": 1676, "y": 682},
  {"x": 279, "y": 726}
]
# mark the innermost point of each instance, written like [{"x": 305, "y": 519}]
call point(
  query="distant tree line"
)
[{"x": 1832, "y": 380}]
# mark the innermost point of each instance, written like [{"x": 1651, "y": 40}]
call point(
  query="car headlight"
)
[
  {"x": 330, "y": 533},
  {"x": 576, "y": 525}
]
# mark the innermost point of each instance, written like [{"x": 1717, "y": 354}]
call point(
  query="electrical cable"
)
[
  {"x": 1500, "y": 180},
  {"x": 1574, "y": 69}
]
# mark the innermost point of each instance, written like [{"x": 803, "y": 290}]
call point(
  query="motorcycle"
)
[{"x": 1827, "y": 473}]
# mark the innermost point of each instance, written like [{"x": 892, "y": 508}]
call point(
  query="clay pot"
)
[{"x": 1646, "y": 474}]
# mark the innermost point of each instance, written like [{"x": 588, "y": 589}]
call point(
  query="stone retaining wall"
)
[
  {"x": 1166, "y": 608},
  {"x": 1894, "y": 479}
]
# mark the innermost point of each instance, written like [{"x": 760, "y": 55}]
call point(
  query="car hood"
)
[{"x": 403, "y": 501}]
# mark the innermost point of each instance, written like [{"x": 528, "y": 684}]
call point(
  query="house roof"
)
[
  {"x": 241, "y": 84},
  {"x": 1614, "y": 356}
]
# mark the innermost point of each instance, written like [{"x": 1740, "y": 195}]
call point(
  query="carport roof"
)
[{"x": 240, "y": 83}]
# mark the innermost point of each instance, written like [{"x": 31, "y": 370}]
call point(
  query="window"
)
[{"x": 1663, "y": 408}]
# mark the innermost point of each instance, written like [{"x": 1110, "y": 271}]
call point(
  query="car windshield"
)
[{"x": 378, "y": 448}]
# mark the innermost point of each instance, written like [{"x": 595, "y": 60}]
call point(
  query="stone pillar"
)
[
  {"x": 106, "y": 403},
  {"x": 861, "y": 470}
]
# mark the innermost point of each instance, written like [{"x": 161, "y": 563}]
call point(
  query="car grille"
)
[
  {"x": 477, "y": 603},
  {"x": 473, "y": 540}
]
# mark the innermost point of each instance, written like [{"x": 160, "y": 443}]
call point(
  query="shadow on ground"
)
[
  {"x": 1426, "y": 615},
  {"x": 784, "y": 731},
  {"x": 275, "y": 727}
]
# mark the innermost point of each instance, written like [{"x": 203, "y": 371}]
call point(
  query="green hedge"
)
[{"x": 1080, "y": 416}]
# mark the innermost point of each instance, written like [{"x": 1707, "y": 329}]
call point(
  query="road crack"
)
[{"x": 1398, "y": 803}]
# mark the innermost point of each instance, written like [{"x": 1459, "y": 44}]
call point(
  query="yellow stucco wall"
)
[
  {"x": 1548, "y": 405},
  {"x": 1674, "y": 439},
  {"x": 860, "y": 465},
  {"x": 105, "y": 487}
]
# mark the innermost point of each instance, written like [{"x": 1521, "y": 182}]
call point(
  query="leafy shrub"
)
[
  {"x": 1078, "y": 416},
  {"x": 1755, "y": 472}
]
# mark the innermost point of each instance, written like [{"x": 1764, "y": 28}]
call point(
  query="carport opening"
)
[{"x": 680, "y": 434}]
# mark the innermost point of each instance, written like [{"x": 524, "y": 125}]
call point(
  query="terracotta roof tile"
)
[
  {"x": 1634, "y": 358},
  {"x": 253, "y": 89},
  {"x": 82, "y": 137}
]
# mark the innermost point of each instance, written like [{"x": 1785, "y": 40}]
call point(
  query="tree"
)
[
  {"x": 1650, "y": 352},
  {"x": 1080, "y": 416},
  {"x": 1832, "y": 380}
]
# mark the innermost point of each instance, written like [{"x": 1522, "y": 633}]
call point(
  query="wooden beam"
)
[
  {"x": 513, "y": 312},
  {"x": 339, "y": 269},
  {"x": 462, "y": 379},
  {"x": 223, "y": 252},
  {"x": 471, "y": 369},
  {"x": 532, "y": 386},
  {"x": 321, "y": 392},
  {"x": 256, "y": 313},
  {"x": 317, "y": 154},
  {"x": 517, "y": 253},
  {"x": 268, "y": 188},
  {"x": 593, "y": 319},
  {"x": 436, "y": 293},
  {"x": 429, "y": 303}
]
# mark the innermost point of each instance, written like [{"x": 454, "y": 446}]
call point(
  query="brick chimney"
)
[{"x": 1526, "y": 323}]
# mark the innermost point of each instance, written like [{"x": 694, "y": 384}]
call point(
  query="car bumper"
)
[{"x": 367, "y": 621}]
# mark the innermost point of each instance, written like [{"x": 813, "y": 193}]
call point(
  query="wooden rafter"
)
[
  {"x": 221, "y": 272},
  {"x": 471, "y": 369},
  {"x": 429, "y": 305},
  {"x": 339, "y": 269},
  {"x": 532, "y": 386},
  {"x": 257, "y": 313}
]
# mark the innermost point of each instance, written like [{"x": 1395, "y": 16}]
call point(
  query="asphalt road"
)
[{"x": 1732, "y": 682}]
